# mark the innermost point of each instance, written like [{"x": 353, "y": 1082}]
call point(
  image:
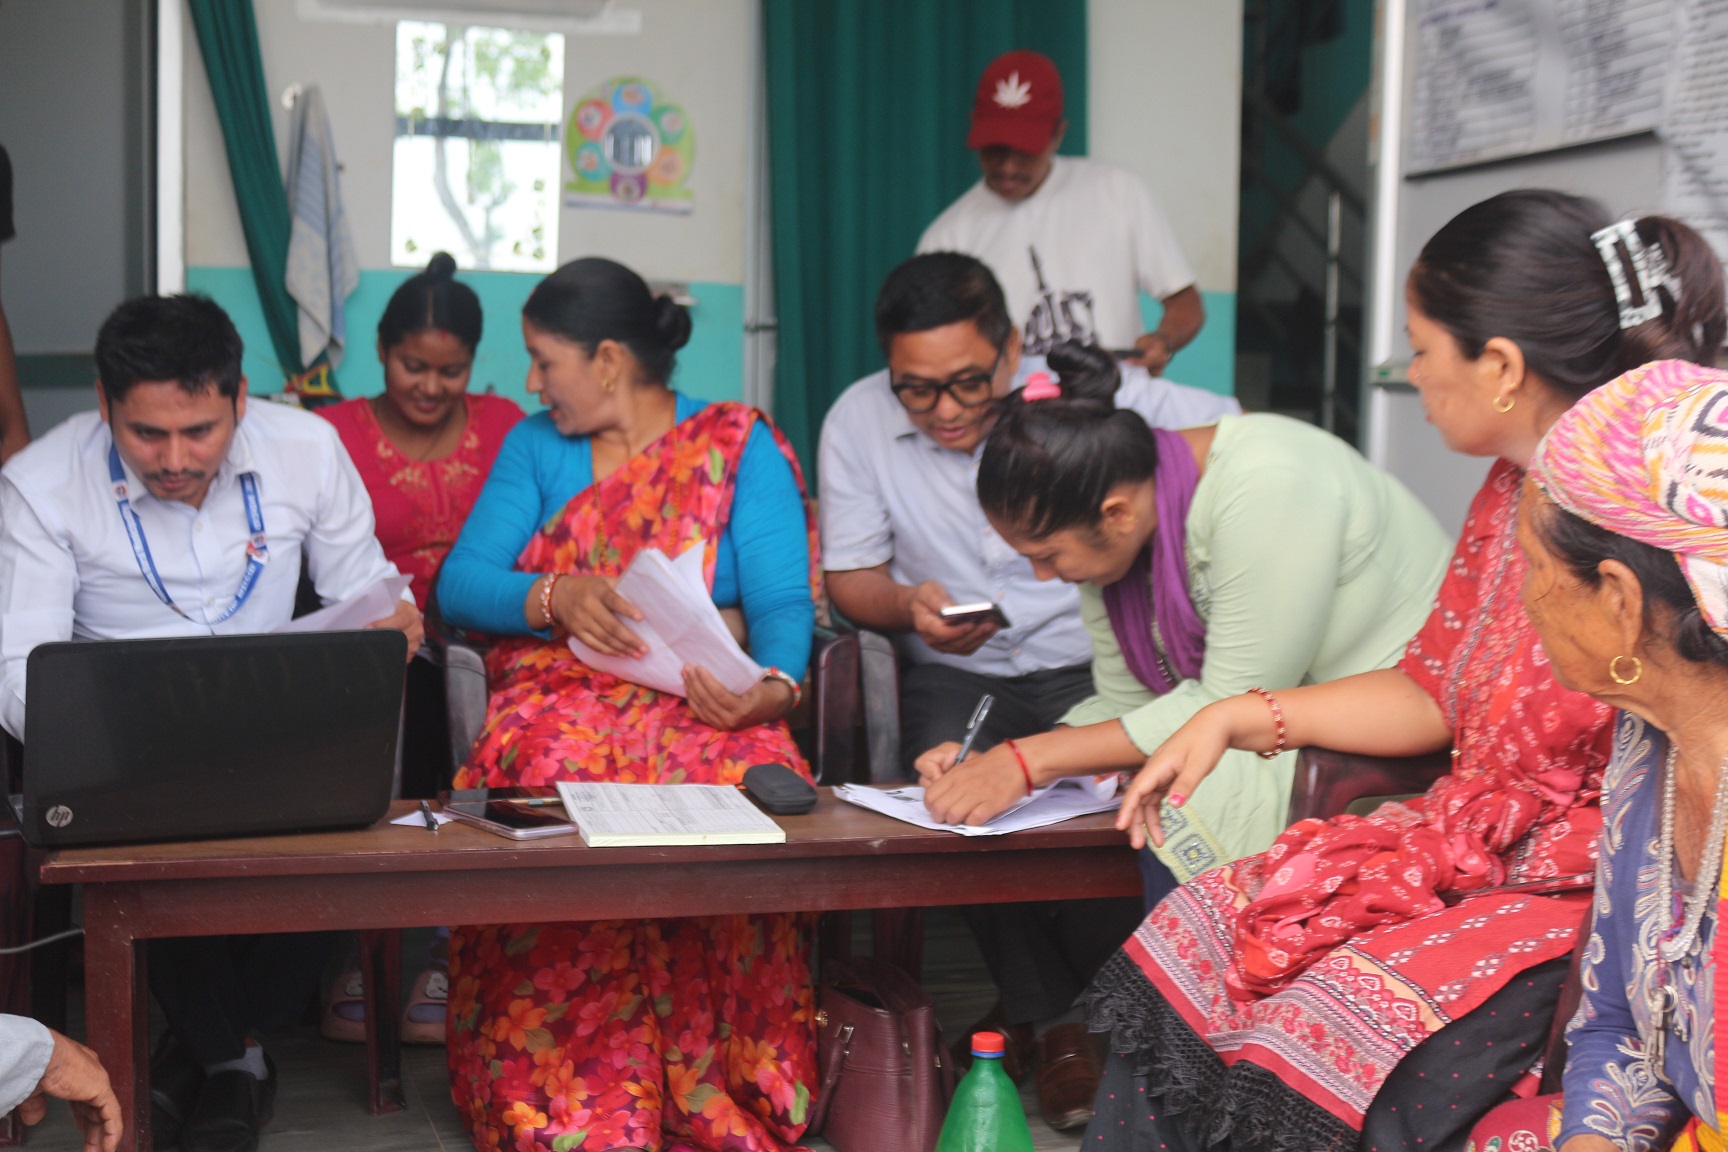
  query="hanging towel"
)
[{"x": 322, "y": 266}]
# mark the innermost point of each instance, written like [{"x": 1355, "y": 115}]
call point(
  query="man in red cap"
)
[{"x": 1073, "y": 242}]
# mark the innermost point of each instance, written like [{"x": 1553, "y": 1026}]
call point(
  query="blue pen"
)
[{"x": 978, "y": 715}]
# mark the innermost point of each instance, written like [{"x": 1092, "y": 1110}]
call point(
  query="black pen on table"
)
[
  {"x": 976, "y": 723},
  {"x": 426, "y": 815}
]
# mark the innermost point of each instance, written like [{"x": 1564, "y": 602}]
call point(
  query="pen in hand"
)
[
  {"x": 973, "y": 727},
  {"x": 426, "y": 815}
]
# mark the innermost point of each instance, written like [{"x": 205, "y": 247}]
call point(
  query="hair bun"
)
[
  {"x": 1088, "y": 372},
  {"x": 442, "y": 266},
  {"x": 671, "y": 323}
]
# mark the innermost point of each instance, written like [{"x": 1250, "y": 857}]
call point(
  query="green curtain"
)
[
  {"x": 869, "y": 103},
  {"x": 228, "y": 38}
]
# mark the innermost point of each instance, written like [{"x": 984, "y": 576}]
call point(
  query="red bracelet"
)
[
  {"x": 1277, "y": 719},
  {"x": 1025, "y": 772}
]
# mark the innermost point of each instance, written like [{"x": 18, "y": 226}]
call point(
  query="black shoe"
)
[
  {"x": 175, "y": 1079},
  {"x": 231, "y": 1111}
]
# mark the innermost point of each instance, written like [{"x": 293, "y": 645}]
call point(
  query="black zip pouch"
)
[{"x": 779, "y": 790}]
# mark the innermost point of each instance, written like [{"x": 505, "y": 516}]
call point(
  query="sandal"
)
[
  {"x": 423, "y": 1018},
  {"x": 344, "y": 1018}
]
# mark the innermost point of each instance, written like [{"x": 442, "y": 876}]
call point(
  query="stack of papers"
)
[
  {"x": 1061, "y": 801},
  {"x": 682, "y": 626},
  {"x": 632, "y": 815}
]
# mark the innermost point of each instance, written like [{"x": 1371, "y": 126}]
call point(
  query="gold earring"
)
[
  {"x": 1511, "y": 401},
  {"x": 1614, "y": 670},
  {"x": 609, "y": 383}
]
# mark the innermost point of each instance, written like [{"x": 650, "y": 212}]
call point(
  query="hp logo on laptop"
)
[{"x": 58, "y": 816}]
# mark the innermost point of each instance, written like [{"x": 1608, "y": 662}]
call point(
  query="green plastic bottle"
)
[{"x": 986, "y": 1115}]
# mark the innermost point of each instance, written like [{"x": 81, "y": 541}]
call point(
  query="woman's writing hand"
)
[
  {"x": 588, "y": 609},
  {"x": 975, "y": 791},
  {"x": 1173, "y": 772},
  {"x": 715, "y": 705},
  {"x": 935, "y": 762}
]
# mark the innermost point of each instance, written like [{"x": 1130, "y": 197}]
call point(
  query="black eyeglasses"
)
[{"x": 970, "y": 390}]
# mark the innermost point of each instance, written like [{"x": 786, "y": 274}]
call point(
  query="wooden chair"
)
[{"x": 1328, "y": 783}]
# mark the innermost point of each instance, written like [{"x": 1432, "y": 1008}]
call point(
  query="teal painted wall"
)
[
  {"x": 1210, "y": 361},
  {"x": 710, "y": 366}
]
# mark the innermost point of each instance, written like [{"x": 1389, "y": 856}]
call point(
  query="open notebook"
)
[
  {"x": 682, "y": 627},
  {"x": 633, "y": 815}
]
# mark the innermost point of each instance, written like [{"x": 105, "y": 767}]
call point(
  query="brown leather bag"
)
[{"x": 885, "y": 1076}]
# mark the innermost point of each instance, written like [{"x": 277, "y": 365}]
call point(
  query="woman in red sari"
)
[
  {"x": 1323, "y": 995},
  {"x": 693, "y": 1034}
]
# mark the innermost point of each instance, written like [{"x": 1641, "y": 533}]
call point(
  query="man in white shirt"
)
[
  {"x": 178, "y": 510},
  {"x": 1073, "y": 242},
  {"x": 37, "y": 1062},
  {"x": 903, "y": 536}
]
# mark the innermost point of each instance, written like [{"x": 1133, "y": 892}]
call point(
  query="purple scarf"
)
[{"x": 1154, "y": 594}]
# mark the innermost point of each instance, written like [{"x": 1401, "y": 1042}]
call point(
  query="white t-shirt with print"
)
[{"x": 1073, "y": 257}]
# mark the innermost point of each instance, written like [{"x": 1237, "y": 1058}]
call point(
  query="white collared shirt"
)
[
  {"x": 892, "y": 495},
  {"x": 67, "y": 568}
]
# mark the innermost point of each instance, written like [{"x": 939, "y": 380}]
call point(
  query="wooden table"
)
[{"x": 835, "y": 858}]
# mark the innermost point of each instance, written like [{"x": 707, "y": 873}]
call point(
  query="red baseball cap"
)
[{"x": 1019, "y": 103}]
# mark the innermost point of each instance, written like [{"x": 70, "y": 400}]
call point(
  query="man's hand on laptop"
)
[
  {"x": 928, "y": 600},
  {"x": 75, "y": 1075},
  {"x": 406, "y": 620}
]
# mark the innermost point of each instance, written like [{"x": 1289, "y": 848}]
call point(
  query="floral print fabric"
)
[{"x": 691, "y": 1035}]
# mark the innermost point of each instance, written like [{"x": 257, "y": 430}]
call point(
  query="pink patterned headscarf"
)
[{"x": 1646, "y": 456}]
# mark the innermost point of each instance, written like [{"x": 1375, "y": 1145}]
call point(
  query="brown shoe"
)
[
  {"x": 1018, "y": 1050},
  {"x": 1069, "y": 1069}
]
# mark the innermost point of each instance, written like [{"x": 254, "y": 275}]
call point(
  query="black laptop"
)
[{"x": 209, "y": 736}]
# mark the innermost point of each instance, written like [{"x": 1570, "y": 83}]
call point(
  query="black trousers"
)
[
  {"x": 1041, "y": 955},
  {"x": 217, "y": 990}
]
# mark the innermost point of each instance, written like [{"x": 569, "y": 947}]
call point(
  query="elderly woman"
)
[
  {"x": 693, "y": 1033},
  {"x": 1371, "y": 981},
  {"x": 1626, "y": 533}
]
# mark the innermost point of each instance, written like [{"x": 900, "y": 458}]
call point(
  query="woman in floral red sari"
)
[
  {"x": 1333, "y": 992},
  {"x": 691, "y": 1034}
]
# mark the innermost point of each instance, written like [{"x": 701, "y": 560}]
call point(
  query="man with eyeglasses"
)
[{"x": 903, "y": 536}]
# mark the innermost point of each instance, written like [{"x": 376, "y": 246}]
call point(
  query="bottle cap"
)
[{"x": 988, "y": 1044}]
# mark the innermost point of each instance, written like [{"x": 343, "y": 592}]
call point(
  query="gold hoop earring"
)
[
  {"x": 1614, "y": 670},
  {"x": 1511, "y": 402}
]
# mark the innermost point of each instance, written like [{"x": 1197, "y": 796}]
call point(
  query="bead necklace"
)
[{"x": 1675, "y": 946}]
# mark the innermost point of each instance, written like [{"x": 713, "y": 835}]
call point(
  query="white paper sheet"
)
[
  {"x": 415, "y": 820},
  {"x": 622, "y": 815},
  {"x": 1061, "y": 801},
  {"x": 375, "y": 603},
  {"x": 682, "y": 627}
]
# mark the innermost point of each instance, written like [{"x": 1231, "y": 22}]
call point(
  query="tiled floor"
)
[{"x": 322, "y": 1103}]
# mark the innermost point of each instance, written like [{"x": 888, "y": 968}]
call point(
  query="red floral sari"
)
[
  {"x": 691, "y": 1034},
  {"x": 1312, "y": 969}
]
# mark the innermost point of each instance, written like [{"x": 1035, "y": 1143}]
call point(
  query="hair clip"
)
[
  {"x": 1649, "y": 266},
  {"x": 1041, "y": 386}
]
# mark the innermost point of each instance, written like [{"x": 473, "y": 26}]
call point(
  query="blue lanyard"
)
[{"x": 257, "y": 548}]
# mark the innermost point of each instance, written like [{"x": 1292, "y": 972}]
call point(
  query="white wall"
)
[
  {"x": 697, "y": 50},
  {"x": 63, "y": 114},
  {"x": 1165, "y": 102}
]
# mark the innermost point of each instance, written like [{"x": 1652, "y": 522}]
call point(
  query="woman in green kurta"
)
[{"x": 1258, "y": 552}]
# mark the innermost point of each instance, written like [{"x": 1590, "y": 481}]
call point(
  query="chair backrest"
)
[
  {"x": 1571, "y": 993},
  {"x": 879, "y": 677},
  {"x": 1326, "y": 783},
  {"x": 834, "y": 683},
  {"x": 465, "y": 697},
  {"x": 855, "y": 677}
]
